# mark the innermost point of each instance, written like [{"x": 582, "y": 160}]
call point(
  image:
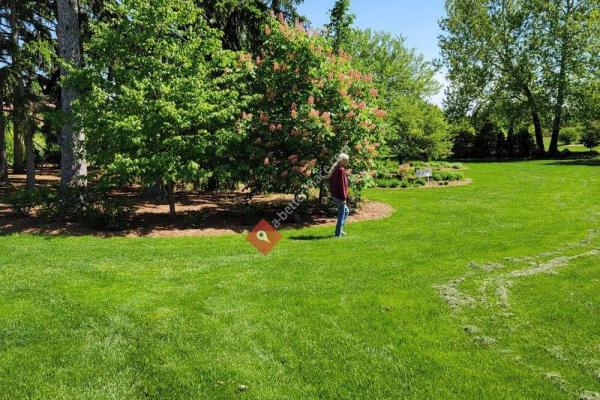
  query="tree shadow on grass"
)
[
  {"x": 589, "y": 162},
  {"x": 311, "y": 237}
]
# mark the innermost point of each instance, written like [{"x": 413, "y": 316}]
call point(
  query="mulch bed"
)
[{"x": 198, "y": 214}]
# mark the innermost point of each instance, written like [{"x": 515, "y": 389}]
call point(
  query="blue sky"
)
[{"x": 416, "y": 20}]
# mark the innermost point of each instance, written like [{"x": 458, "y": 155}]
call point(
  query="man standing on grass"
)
[{"x": 338, "y": 185}]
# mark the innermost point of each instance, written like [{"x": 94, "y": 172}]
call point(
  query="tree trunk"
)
[
  {"x": 171, "y": 199},
  {"x": 18, "y": 125},
  {"x": 73, "y": 167},
  {"x": 30, "y": 182},
  {"x": 155, "y": 192},
  {"x": 560, "y": 99},
  {"x": 553, "y": 149},
  {"x": 537, "y": 122},
  {"x": 19, "y": 92},
  {"x": 321, "y": 192},
  {"x": 3, "y": 159},
  {"x": 213, "y": 184}
]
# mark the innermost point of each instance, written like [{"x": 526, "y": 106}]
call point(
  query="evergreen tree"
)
[
  {"x": 340, "y": 23},
  {"x": 73, "y": 166}
]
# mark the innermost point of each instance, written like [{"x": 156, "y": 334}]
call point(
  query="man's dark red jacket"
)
[{"x": 338, "y": 183}]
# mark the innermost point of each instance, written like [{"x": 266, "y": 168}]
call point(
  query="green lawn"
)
[
  {"x": 486, "y": 291},
  {"x": 577, "y": 148}
]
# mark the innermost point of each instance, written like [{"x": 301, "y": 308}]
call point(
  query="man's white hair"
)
[{"x": 340, "y": 157}]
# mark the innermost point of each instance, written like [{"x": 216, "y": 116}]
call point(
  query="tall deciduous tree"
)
[
  {"x": 488, "y": 49},
  {"x": 418, "y": 130},
  {"x": 398, "y": 71},
  {"x": 405, "y": 80},
  {"x": 563, "y": 33},
  {"x": 160, "y": 97},
  {"x": 73, "y": 166}
]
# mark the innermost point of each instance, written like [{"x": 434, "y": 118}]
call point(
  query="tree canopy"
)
[{"x": 503, "y": 54}]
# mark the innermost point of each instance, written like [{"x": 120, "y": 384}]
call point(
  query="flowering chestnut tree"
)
[{"x": 310, "y": 104}]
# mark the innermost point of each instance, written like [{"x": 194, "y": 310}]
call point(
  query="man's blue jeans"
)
[{"x": 342, "y": 214}]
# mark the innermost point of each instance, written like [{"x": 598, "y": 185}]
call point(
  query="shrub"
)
[
  {"x": 405, "y": 177},
  {"x": 109, "y": 214},
  {"x": 405, "y": 171},
  {"x": 569, "y": 135},
  {"x": 591, "y": 135},
  {"x": 486, "y": 140},
  {"x": 436, "y": 165},
  {"x": 447, "y": 176},
  {"x": 521, "y": 144},
  {"x": 490, "y": 141},
  {"x": 385, "y": 182},
  {"x": 70, "y": 206},
  {"x": 386, "y": 168},
  {"x": 463, "y": 138},
  {"x": 93, "y": 206},
  {"x": 354, "y": 200},
  {"x": 248, "y": 212},
  {"x": 23, "y": 201}
]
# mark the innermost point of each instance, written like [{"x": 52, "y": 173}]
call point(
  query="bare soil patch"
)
[{"x": 434, "y": 184}]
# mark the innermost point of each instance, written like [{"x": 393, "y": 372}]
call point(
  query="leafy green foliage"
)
[
  {"x": 520, "y": 144},
  {"x": 23, "y": 202},
  {"x": 591, "y": 135},
  {"x": 340, "y": 23},
  {"x": 404, "y": 81},
  {"x": 390, "y": 174},
  {"x": 447, "y": 176},
  {"x": 490, "y": 141},
  {"x": 418, "y": 131},
  {"x": 565, "y": 38},
  {"x": 110, "y": 214},
  {"x": 436, "y": 165},
  {"x": 504, "y": 57},
  {"x": 160, "y": 100},
  {"x": 310, "y": 104},
  {"x": 398, "y": 71},
  {"x": 570, "y": 134},
  {"x": 91, "y": 205}
]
